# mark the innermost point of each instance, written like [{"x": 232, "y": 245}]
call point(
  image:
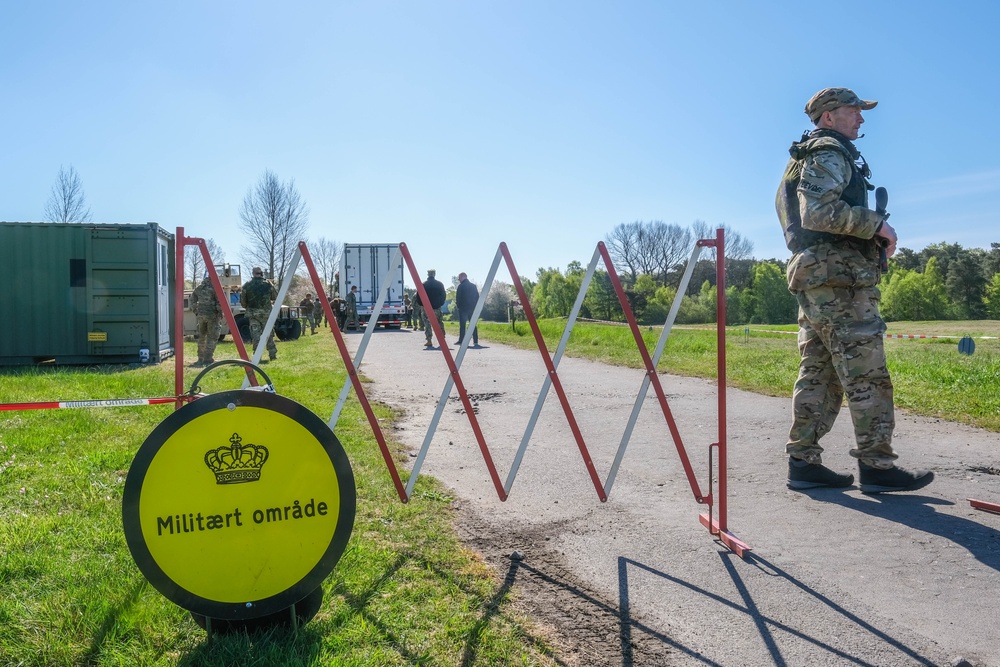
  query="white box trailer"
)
[{"x": 366, "y": 265}]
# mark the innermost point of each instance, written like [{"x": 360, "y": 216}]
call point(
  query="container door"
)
[
  {"x": 368, "y": 278},
  {"x": 163, "y": 313}
]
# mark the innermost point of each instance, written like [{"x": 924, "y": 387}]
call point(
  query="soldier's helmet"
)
[{"x": 829, "y": 99}]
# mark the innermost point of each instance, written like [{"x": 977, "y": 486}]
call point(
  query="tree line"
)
[{"x": 944, "y": 281}]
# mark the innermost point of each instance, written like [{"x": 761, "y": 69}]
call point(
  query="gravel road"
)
[{"x": 834, "y": 578}]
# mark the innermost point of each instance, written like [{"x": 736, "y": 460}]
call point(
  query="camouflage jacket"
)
[
  {"x": 307, "y": 307},
  {"x": 203, "y": 300},
  {"x": 258, "y": 294},
  {"x": 822, "y": 204}
]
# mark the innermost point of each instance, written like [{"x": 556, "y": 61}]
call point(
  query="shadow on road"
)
[
  {"x": 918, "y": 513},
  {"x": 765, "y": 625}
]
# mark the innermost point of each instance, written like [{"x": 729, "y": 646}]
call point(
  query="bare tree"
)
[
  {"x": 67, "y": 202},
  {"x": 274, "y": 218},
  {"x": 668, "y": 245},
  {"x": 737, "y": 246},
  {"x": 326, "y": 257},
  {"x": 194, "y": 264},
  {"x": 622, "y": 245},
  {"x": 650, "y": 248}
]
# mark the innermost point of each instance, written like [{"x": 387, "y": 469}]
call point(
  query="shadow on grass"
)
[
  {"x": 110, "y": 619},
  {"x": 282, "y": 646}
]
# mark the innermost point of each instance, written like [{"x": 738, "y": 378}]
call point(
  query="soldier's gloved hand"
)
[{"x": 889, "y": 234}]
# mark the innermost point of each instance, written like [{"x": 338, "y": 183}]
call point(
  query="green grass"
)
[
  {"x": 406, "y": 592},
  {"x": 929, "y": 375}
]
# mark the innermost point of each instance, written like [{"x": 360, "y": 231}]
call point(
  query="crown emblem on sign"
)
[{"x": 236, "y": 463}]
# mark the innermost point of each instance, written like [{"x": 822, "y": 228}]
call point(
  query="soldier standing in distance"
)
[
  {"x": 308, "y": 310},
  {"x": 437, "y": 295},
  {"x": 418, "y": 312},
  {"x": 257, "y": 296},
  {"x": 834, "y": 237},
  {"x": 352, "y": 309},
  {"x": 206, "y": 307},
  {"x": 466, "y": 298}
]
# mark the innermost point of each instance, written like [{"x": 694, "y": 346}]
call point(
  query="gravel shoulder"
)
[{"x": 834, "y": 578}]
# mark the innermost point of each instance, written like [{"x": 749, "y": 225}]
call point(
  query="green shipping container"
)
[{"x": 84, "y": 293}]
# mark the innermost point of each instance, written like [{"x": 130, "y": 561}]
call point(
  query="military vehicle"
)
[{"x": 232, "y": 280}]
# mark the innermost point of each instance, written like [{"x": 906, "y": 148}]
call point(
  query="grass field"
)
[
  {"x": 929, "y": 375},
  {"x": 406, "y": 592}
]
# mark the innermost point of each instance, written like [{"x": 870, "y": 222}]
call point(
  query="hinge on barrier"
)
[{"x": 706, "y": 243}]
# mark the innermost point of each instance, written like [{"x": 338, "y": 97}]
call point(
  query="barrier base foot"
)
[
  {"x": 735, "y": 544},
  {"x": 984, "y": 506}
]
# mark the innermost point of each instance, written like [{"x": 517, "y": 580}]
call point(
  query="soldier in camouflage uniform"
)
[
  {"x": 351, "y": 321},
  {"x": 834, "y": 237},
  {"x": 257, "y": 296},
  {"x": 308, "y": 309},
  {"x": 206, "y": 307}
]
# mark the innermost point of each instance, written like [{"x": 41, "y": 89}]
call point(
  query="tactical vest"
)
[
  {"x": 855, "y": 194},
  {"x": 258, "y": 294}
]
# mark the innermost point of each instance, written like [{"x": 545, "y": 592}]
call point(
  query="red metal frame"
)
[
  {"x": 456, "y": 377},
  {"x": 181, "y": 242},
  {"x": 553, "y": 375},
  {"x": 984, "y": 506},
  {"x": 654, "y": 378},
  {"x": 352, "y": 372}
]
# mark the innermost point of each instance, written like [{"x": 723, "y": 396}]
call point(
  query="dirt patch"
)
[
  {"x": 585, "y": 628},
  {"x": 476, "y": 399}
]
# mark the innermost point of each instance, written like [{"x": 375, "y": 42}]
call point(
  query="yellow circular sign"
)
[{"x": 239, "y": 504}]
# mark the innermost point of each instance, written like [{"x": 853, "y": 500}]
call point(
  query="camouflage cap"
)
[{"x": 829, "y": 99}]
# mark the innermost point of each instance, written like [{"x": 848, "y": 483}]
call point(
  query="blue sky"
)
[{"x": 453, "y": 125}]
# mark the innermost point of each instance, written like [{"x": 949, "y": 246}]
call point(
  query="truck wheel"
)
[
  {"x": 294, "y": 330},
  {"x": 243, "y": 324}
]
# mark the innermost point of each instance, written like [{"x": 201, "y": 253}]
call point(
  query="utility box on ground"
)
[{"x": 86, "y": 293}]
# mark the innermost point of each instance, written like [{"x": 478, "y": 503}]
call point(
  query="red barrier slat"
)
[
  {"x": 654, "y": 378},
  {"x": 553, "y": 375},
  {"x": 96, "y": 403},
  {"x": 352, "y": 373},
  {"x": 456, "y": 378}
]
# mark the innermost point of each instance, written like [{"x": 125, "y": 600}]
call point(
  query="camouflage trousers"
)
[
  {"x": 258, "y": 318},
  {"x": 208, "y": 337},
  {"x": 842, "y": 353},
  {"x": 428, "y": 329}
]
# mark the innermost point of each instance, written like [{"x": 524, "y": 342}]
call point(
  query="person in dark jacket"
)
[
  {"x": 466, "y": 298},
  {"x": 436, "y": 295}
]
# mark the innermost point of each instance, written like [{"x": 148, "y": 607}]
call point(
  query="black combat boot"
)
[
  {"x": 803, "y": 475},
  {"x": 878, "y": 480}
]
